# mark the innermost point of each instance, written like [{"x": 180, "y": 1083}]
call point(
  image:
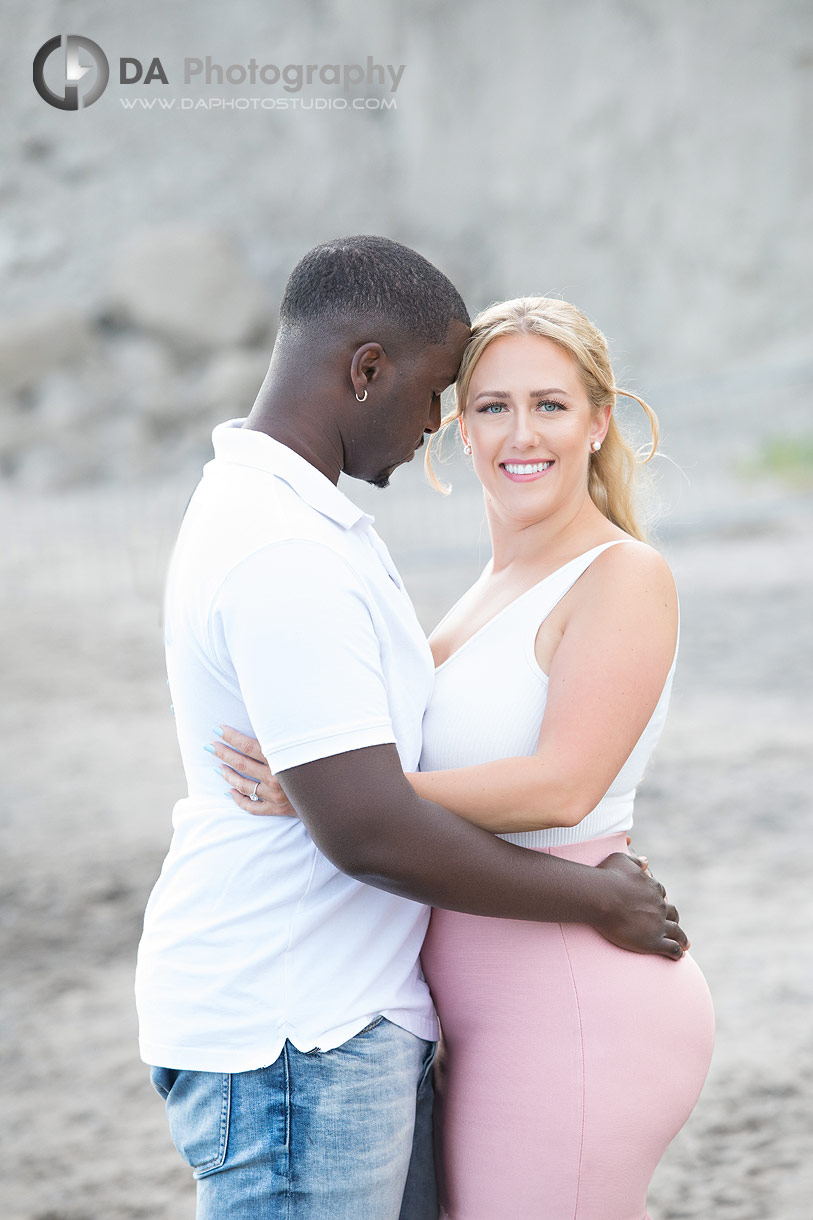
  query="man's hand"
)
[{"x": 638, "y": 917}]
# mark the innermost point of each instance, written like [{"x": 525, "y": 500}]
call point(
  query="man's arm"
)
[
  {"x": 363, "y": 815},
  {"x": 294, "y": 623}
]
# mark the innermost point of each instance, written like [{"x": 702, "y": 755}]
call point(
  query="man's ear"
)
[{"x": 366, "y": 366}]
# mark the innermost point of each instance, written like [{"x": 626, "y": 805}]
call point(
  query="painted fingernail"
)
[
  {"x": 217, "y": 732},
  {"x": 172, "y": 708},
  {"x": 209, "y": 748}
]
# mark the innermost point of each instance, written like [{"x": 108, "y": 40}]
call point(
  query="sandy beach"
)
[{"x": 91, "y": 773}]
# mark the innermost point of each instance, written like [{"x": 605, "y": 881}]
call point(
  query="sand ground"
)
[{"x": 90, "y": 774}]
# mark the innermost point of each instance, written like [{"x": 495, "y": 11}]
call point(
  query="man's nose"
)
[{"x": 434, "y": 415}]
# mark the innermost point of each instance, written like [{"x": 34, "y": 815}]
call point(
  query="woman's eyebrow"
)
[{"x": 506, "y": 394}]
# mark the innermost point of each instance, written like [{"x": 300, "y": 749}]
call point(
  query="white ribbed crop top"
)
[{"x": 489, "y": 699}]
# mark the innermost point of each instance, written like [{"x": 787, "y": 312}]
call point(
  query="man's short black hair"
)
[{"x": 372, "y": 277}]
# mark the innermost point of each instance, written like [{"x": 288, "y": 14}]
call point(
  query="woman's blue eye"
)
[{"x": 496, "y": 408}]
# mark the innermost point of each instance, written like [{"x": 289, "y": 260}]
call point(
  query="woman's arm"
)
[
  {"x": 606, "y": 677},
  {"x": 505, "y": 796}
]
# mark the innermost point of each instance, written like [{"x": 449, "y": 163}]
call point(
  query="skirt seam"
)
[{"x": 581, "y": 1052}]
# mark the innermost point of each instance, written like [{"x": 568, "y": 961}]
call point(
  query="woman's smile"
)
[{"x": 526, "y": 472}]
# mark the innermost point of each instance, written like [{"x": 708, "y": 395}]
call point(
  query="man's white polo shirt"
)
[{"x": 286, "y": 619}]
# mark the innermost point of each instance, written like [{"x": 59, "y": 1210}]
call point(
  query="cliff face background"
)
[{"x": 652, "y": 163}]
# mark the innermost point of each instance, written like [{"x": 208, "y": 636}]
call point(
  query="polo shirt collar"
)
[{"x": 246, "y": 447}]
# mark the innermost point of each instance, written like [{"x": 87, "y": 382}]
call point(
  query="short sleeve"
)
[{"x": 295, "y": 624}]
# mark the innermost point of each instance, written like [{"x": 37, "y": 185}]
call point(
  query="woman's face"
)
[{"x": 530, "y": 426}]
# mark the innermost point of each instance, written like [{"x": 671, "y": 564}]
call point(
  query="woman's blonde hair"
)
[{"x": 612, "y": 470}]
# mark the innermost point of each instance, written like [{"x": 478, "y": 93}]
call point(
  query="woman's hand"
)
[{"x": 246, "y": 769}]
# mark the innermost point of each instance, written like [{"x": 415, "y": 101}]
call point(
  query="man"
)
[{"x": 279, "y": 987}]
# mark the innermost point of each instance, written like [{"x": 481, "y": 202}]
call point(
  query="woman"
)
[{"x": 567, "y": 1064}]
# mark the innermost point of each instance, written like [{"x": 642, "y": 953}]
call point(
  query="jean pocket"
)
[
  {"x": 425, "y": 1079},
  {"x": 199, "y": 1110},
  {"x": 162, "y": 1080}
]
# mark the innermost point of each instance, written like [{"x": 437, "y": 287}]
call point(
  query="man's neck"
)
[
  {"x": 294, "y": 407},
  {"x": 306, "y": 433}
]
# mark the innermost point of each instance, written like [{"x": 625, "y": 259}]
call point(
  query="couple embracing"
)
[{"x": 290, "y": 979}]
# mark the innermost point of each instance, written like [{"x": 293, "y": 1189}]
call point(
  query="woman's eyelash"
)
[{"x": 547, "y": 402}]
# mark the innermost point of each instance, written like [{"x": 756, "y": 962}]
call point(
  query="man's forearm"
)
[
  {"x": 421, "y": 851},
  {"x": 459, "y": 871}
]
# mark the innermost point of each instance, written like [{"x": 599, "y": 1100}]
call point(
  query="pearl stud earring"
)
[
  {"x": 596, "y": 445},
  {"x": 467, "y": 450}
]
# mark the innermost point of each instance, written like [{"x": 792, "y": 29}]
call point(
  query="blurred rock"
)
[
  {"x": 63, "y": 401},
  {"x": 128, "y": 452},
  {"x": 191, "y": 287},
  {"x": 231, "y": 383},
  {"x": 33, "y": 345},
  {"x": 147, "y": 378},
  {"x": 62, "y": 460},
  {"x": 15, "y": 434}
]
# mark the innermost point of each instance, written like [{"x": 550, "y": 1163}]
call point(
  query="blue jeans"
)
[{"x": 324, "y": 1135}]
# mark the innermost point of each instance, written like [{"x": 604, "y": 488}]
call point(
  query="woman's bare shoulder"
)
[{"x": 632, "y": 570}]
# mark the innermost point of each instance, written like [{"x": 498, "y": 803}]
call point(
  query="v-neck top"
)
[{"x": 489, "y": 699}]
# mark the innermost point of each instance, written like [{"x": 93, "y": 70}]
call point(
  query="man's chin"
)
[{"x": 382, "y": 479}]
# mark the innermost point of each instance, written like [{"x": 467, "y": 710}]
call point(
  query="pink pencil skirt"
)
[{"x": 566, "y": 1065}]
